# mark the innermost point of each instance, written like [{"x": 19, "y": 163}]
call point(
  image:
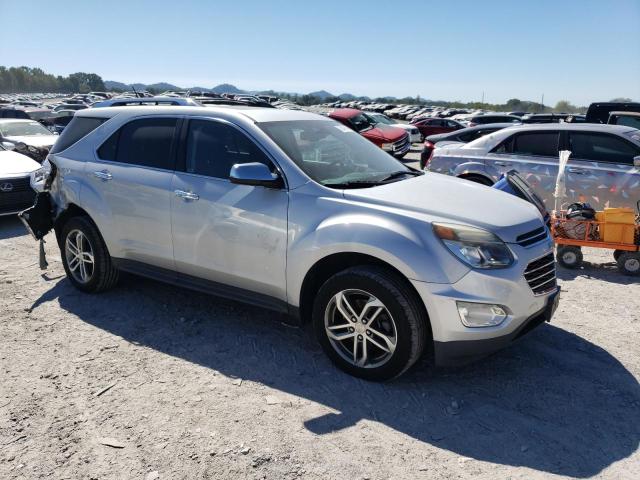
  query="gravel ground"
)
[{"x": 150, "y": 381}]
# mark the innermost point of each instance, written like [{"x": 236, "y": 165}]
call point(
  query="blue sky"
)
[{"x": 579, "y": 50}]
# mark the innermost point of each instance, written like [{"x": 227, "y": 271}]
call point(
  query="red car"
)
[
  {"x": 434, "y": 126},
  {"x": 391, "y": 139}
]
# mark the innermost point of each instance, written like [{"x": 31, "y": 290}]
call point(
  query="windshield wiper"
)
[
  {"x": 399, "y": 173},
  {"x": 354, "y": 184}
]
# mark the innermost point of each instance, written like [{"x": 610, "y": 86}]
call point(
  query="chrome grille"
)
[
  {"x": 402, "y": 145},
  {"x": 541, "y": 274},
  {"x": 15, "y": 194},
  {"x": 532, "y": 237}
]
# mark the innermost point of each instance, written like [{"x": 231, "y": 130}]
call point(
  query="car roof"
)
[
  {"x": 587, "y": 127},
  {"x": 256, "y": 114},
  {"x": 344, "y": 112}
]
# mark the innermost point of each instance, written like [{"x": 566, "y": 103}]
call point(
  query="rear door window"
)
[
  {"x": 148, "y": 142},
  {"x": 78, "y": 128},
  {"x": 214, "y": 147},
  {"x": 601, "y": 147},
  {"x": 537, "y": 144}
]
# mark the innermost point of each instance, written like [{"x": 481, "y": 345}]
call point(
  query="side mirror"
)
[
  {"x": 256, "y": 174},
  {"x": 636, "y": 161},
  {"x": 9, "y": 145}
]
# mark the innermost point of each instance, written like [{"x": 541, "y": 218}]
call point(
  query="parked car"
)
[
  {"x": 552, "y": 118},
  {"x": 630, "y": 119},
  {"x": 294, "y": 212},
  {"x": 390, "y": 139},
  {"x": 15, "y": 172},
  {"x": 68, "y": 106},
  {"x": 602, "y": 170},
  {"x": 435, "y": 126},
  {"x": 599, "y": 112},
  {"x": 464, "y": 135},
  {"x": 37, "y": 138},
  {"x": 414, "y": 133},
  {"x": 492, "y": 118}
]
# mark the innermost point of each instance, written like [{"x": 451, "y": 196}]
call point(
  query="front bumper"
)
[
  {"x": 461, "y": 352},
  {"x": 456, "y": 343}
]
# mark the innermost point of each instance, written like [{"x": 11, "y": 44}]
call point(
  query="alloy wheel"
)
[
  {"x": 360, "y": 328},
  {"x": 79, "y": 256}
]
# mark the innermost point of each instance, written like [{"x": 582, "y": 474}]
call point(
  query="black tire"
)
[
  {"x": 478, "y": 179},
  {"x": 617, "y": 253},
  {"x": 103, "y": 275},
  {"x": 403, "y": 305},
  {"x": 569, "y": 256},
  {"x": 629, "y": 263},
  {"x": 401, "y": 156}
]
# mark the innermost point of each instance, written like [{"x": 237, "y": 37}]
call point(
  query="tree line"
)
[{"x": 35, "y": 80}]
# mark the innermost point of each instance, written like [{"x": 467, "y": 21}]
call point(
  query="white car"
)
[
  {"x": 29, "y": 132},
  {"x": 16, "y": 193},
  {"x": 412, "y": 131}
]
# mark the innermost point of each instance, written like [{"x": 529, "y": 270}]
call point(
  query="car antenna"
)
[{"x": 135, "y": 91}]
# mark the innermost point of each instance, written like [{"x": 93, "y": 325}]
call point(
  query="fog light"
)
[{"x": 481, "y": 314}]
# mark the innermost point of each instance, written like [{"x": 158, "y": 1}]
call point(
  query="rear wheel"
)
[
  {"x": 569, "y": 256},
  {"x": 85, "y": 256},
  {"x": 617, "y": 253},
  {"x": 478, "y": 179},
  {"x": 629, "y": 263},
  {"x": 369, "y": 323}
]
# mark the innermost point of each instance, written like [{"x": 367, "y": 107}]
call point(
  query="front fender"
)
[{"x": 402, "y": 242}]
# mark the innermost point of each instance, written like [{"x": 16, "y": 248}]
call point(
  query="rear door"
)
[
  {"x": 534, "y": 154},
  {"x": 601, "y": 171},
  {"x": 129, "y": 188},
  {"x": 234, "y": 235}
]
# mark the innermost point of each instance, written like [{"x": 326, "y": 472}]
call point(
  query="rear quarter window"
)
[{"x": 78, "y": 128}]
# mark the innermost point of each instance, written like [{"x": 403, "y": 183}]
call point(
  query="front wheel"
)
[
  {"x": 85, "y": 257},
  {"x": 569, "y": 256},
  {"x": 369, "y": 323}
]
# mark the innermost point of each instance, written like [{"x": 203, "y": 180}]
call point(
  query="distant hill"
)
[
  {"x": 322, "y": 94},
  {"x": 226, "y": 88},
  {"x": 113, "y": 85}
]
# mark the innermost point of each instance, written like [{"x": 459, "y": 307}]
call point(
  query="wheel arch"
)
[{"x": 331, "y": 264}]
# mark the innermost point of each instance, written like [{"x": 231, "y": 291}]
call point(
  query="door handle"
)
[
  {"x": 103, "y": 175},
  {"x": 578, "y": 171},
  {"x": 502, "y": 164},
  {"x": 186, "y": 195}
]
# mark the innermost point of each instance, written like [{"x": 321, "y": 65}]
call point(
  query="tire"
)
[
  {"x": 569, "y": 256},
  {"x": 617, "y": 253},
  {"x": 629, "y": 263},
  {"x": 101, "y": 275},
  {"x": 401, "y": 320},
  {"x": 478, "y": 179},
  {"x": 401, "y": 156}
]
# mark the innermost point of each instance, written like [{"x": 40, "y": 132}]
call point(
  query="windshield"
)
[
  {"x": 380, "y": 119},
  {"x": 19, "y": 129},
  {"x": 361, "y": 122},
  {"x": 332, "y": 154}
]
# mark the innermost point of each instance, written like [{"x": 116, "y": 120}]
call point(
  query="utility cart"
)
[{"x": 616, "y": 229}]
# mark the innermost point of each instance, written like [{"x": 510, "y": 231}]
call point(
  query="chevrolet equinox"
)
[{"x": 297, "y": 213}]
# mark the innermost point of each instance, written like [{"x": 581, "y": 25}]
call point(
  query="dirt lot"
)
[{"x": 185, "y": 386}]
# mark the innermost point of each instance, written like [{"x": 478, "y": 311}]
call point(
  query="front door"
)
[
  {"x": 234, "y": 235},
  {"x": 601, "y": 171}
]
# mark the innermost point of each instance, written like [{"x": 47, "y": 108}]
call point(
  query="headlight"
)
[
  {"x": 387, "y": 146},
  {"x": 39, "y": 176},
  {"x": 476, "y": 247}
]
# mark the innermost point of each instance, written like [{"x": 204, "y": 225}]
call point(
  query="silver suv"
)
[
  {"x": 297, "y": 213},
  {"x": 603, "y": 170}
]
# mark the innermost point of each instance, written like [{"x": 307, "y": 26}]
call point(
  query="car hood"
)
[
  {"x": 448, "y": 199},
  {"x": 386, "y": 133},
  {"x": 35, "y": 140},
  {"x": 13, "y": 164}
]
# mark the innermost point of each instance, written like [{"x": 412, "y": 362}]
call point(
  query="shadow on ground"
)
[
  {"x": 10, "y": 227},
  {"x": 605, "y": 271},
  {"x": 554, "y": 402}
]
